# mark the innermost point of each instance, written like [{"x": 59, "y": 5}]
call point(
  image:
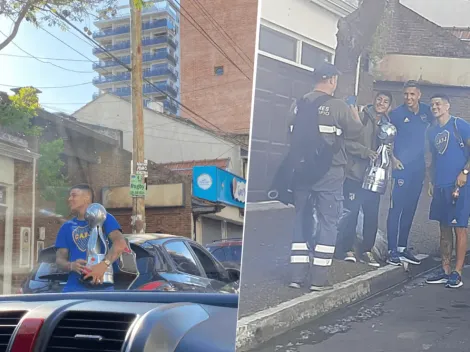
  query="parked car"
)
[
  {"x": 164, "y": 263},
  {"x": 227, "y": 251}
]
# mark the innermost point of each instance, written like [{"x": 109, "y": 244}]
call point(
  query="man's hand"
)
[
  {"x": 96, "y": 272},
  {"x": 430, "y": 189},
  {"x": 461, "y": 180},
  {"x": 372, "y": 155},
  {"x": 355, "y": 112},
  {"x": 78, "y": 266},
  {"x": 397, "y": 165}
]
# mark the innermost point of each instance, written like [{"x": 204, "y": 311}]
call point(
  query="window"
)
[
  {"x": 236, "y": 253},
  {"x": 207, "y": 263},
  {"x": 313, "y": 57},
  {"x": 219, "y": 254},
  {"x": 219, "y": 70},
  {"x": 182, "y": 258},
  {"x": 277, "y": 43}
]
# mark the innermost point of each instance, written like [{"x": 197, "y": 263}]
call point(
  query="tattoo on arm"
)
[
  {"x": 62, "y": 259},
  {"x": 117, "y": 247},
  {"x": 447, "y": 242}
]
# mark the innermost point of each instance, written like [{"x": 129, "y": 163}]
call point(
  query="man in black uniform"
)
[{"x": 336, "y": 120}]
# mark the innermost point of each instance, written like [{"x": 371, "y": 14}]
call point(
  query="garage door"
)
[{"x": 277, "y": 85}]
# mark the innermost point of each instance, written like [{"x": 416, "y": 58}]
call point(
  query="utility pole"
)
[{"x": 138, "y": 203}]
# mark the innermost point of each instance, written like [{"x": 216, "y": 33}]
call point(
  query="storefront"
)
[{"x": 227, "y": 191}]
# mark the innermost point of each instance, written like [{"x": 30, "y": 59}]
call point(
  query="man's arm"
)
[
  {"x": 119, "y": 244},
  {"x": 62, "y": 259}
]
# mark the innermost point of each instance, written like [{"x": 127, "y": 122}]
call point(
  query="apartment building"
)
[{"x": 161, "y": 52}]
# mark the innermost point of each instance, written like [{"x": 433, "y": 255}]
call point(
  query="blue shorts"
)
[{"x": 449, "y": 214}]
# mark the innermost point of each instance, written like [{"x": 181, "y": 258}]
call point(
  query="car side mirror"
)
[{"x": 233, "y": 274}]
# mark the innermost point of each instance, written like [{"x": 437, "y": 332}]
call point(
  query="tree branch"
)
[{"x": 18, "y": 21}]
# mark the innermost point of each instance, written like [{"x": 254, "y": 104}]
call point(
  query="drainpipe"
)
[{"x": 33, "y": 213}]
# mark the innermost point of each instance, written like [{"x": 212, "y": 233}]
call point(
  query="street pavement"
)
[
  {"x": 266, "y": 251},
  {"x": 409, "y": 318},
  {"x": 265, "y": 266}
]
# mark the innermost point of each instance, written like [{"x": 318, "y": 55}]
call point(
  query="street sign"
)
[
  {"x": 137, "y": 186},
  {"x": 142, "y": 169}
]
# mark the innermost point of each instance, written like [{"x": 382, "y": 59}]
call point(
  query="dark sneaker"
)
[
  {"x": 294, "y": 285},
  {"x": 394, "y": 258},
  {"x": 369, "y": 259},
  {"x": 350, "y": 257},
  {"x": 407, "y": 256},
  {"x": 439, "y": 278},
  {"x": 321, "y": 288},
  {"x": 455, "y": 280}
]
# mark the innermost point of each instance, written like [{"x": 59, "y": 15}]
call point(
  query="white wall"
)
[
  {"x": 315, "y": 20},
  {"x": 166, "y": 139}
]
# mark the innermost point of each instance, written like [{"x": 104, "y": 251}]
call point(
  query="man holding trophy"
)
[
  {"x": 364, "y": 151},
  {"x": 81, "y": 242}
]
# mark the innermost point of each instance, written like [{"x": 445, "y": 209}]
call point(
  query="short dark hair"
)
[
  {"x": 385, "y": 93},
  {"x": 412, "y": 84},
  {"x": 85, "y": 187},
  {"x": 441, "y": 96}
]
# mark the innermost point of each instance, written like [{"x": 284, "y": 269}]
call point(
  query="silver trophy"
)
[
  {"x": 97, "y": 248},
  {"x": 378, "y": 173}
]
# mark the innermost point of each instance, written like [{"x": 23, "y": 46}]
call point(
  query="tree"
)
[
  {"x": 16, "y": 115},
  {"x": 355, "y": 33},
  {"x": 42, "y": 12}
]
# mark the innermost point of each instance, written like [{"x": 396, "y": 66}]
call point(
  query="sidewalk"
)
[{"x": 268, "y": 307}]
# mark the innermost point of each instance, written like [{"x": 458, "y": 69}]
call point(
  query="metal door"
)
[{"x": 277, "y": 85}]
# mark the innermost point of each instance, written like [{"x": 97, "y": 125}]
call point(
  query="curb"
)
[{"x": 262, "y": 326}]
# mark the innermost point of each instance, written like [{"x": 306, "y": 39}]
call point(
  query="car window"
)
[
  {"x": 236, "y": 253},
  {"x": 182, "y": 258},
  {"x": 45, "y": 269},
  {"x": 219, "y": 254},
  {"x": 207, "y": 263}
]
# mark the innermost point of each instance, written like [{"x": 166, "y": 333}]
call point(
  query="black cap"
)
[{"x": 325, "y": 71}]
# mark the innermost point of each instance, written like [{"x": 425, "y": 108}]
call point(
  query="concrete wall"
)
[{"x": 166, "y": 139}]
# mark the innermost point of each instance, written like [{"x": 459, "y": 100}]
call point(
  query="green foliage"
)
[{"x": 17, "y": 112}]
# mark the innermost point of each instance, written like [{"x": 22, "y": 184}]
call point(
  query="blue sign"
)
[{"x": 217, "y": 185}]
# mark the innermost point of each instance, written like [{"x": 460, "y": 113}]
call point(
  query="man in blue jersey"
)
[
  {"x": 411, "y": 120},
  {"x": 449, "y": 141},
  {"x": 72, "y": 241}
]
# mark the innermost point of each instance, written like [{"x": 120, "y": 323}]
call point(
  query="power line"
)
[
  {"x": 129, "y": 69},
  {"x": 45, "y": 62},
  {"x": 208, "y": 37},
  {"x": 216, "y": 24},
  {"x": 54, "y": 87},
  {"x": 45, "y": 58}
]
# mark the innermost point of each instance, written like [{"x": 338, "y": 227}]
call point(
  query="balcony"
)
[
  {"x": 170, "y": 106},
  {"x": 146, "y": 42},
  {"x": 148, "y": 89},
  {"x": 160, "y": 23},
  {"x": 164, "y": 70},
  {"x": 160, "y": 55}
]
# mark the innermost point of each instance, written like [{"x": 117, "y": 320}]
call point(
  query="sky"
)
[{"x": 21, "y": 71}]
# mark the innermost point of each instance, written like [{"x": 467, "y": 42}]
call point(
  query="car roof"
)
[
  {"x": 141, "y": 238},
  {"x": 226, "y": 242}
]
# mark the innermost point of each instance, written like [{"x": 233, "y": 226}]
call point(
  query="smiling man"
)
[
  {"x": 361, "y": 151},
  {"x": 72, "y": 242},
  {"x": 411, "y": 120},
  {"x": 449, "y": 142}
]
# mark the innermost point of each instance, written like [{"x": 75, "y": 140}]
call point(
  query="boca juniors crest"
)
[
  {"x": 80, "y": 236},
  {"x": 441, "y": 141}
]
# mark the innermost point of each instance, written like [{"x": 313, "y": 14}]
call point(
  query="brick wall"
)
[{"x": 224, "y": 100}]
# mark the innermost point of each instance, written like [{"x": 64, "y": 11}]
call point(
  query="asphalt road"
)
[
  {"x": 265, "y": 271},
  {"x": 266, "y": 250},
  {"x": 410, "y": 318}
]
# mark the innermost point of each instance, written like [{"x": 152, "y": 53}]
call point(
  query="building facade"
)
[
  {"x": 161, "y": 52},
  {"x": 291, "y": 44},
  {"x": 216, "y": 86}
]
